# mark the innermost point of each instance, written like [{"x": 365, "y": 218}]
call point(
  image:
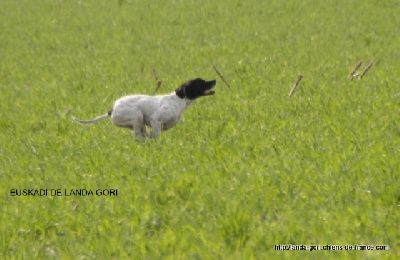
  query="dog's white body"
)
[{"x": 160, "y": 112}]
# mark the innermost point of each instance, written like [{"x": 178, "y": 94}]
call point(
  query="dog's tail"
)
[{"x": 89, "y": 122}]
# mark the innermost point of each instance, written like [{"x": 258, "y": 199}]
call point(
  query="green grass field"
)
[{"x": 246, "y": 169}]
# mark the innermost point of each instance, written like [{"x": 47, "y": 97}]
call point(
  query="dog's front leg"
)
[
  {"x": 156, "y": 127},
  {"x": 169, "y": 124}
]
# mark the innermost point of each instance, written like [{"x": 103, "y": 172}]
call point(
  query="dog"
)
[{"x": 160, "y": 112}]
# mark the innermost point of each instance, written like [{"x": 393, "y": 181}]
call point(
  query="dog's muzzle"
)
[{"x": 210, "y": 84}]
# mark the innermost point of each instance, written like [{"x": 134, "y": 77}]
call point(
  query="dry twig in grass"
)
[
  {"x": 295, "y": 85},
  {"x": 158, "y": 85},
  {"x": 222, "y": 77},
  {"x": 159, "y": 82},
  {"x": 155, "y": 73},
  {"x": 366, "y": 69},
  {"x": 354, "y": 73}
]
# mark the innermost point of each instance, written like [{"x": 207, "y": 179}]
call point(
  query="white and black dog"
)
[{"x": 160, "y": 112}]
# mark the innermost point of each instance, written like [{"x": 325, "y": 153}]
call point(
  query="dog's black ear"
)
[{"x": 180, "y": 92}]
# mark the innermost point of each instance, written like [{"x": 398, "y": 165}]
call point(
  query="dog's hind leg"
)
[
  {"x": 139, "y": 127},
  {"x": 138, "y": 133},
  {"x": 144, "y": 131}
]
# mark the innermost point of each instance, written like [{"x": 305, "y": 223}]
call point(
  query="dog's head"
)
[{"x": 196, "y": 88}]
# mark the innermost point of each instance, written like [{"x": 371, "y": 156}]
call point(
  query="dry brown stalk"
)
[
  {"x": 354, "y": 73},
  {"x": 295, "y": 85},
  {"x": 366, "y": 69},
  {"x": 222, "y": 77}
]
